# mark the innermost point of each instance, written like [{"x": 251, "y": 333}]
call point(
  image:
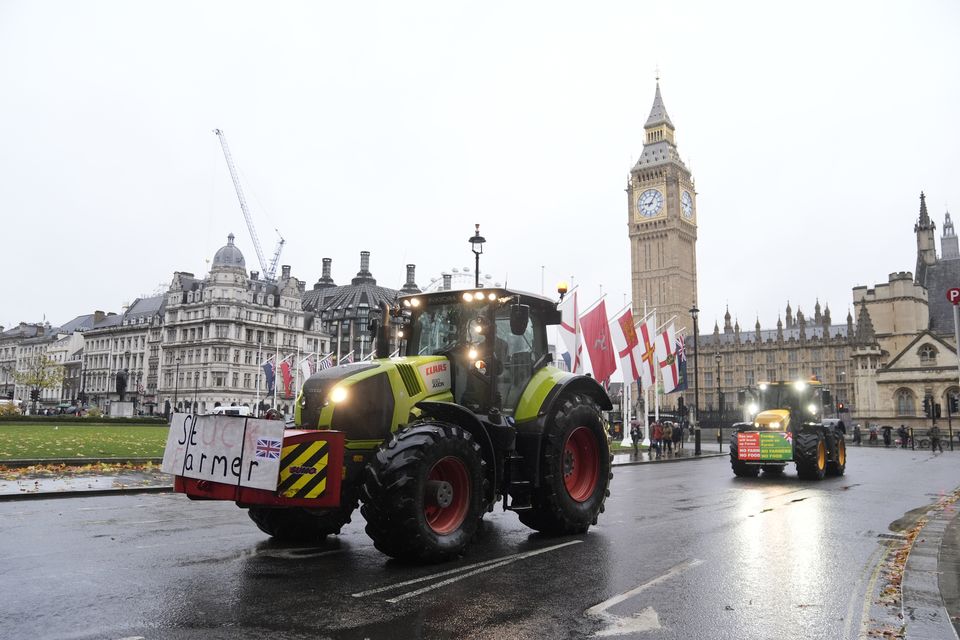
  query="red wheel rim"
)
[
  {"x": 581, "y": 463},
  {"x": 444, "y": 520}
]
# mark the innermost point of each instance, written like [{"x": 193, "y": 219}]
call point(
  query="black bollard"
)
[{"x": 696, "y": 441}]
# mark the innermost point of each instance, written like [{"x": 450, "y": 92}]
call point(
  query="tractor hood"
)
[
  {"x": 773, "y": 420},
  {"x": 367, "y": 400}
]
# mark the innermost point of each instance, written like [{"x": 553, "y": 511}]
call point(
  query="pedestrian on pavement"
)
[
  {"x": 677, "y": 436},
  {"x": 935, "y": 443},
  {"x": 856, "y": 434},
  {"x": 656, "y": 438},
  {"x": 636, "y": 434},
  {"x": 668, "y": 437},
  {"x": 902, "y": 432}
]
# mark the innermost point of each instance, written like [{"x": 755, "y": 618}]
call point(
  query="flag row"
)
[{"x": 646, "y": 355}]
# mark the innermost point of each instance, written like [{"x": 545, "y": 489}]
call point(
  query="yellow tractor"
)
[{"x": 787, "y": 425}]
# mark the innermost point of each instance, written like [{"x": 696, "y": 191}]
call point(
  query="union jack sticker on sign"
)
[{"x": 268, "y": 449}]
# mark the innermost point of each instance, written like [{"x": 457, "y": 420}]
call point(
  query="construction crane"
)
[{"x": 269, "y": 270}]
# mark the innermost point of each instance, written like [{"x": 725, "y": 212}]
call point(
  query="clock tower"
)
[{"x": 662, "y": 223}]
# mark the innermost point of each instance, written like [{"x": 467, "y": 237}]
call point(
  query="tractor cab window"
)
[
  {"x": 440, "y": 328},
  {"x": 516, "y": 356}
]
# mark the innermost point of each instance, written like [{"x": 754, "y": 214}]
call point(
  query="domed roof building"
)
[{"x": 229, "y": 257}]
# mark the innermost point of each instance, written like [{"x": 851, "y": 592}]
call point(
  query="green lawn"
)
[{"x": 47, "y": 441}]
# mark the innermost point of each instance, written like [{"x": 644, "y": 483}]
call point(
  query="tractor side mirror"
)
[
  {"x": 373, "y": 326},
  {"x": 519, "y": 319}
]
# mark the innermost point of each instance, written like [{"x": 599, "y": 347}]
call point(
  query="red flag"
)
[
  {"x": 596, "y": 336},
  {"x": 287, "y": 379}
]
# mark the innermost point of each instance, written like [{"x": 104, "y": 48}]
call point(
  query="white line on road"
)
[
  {"x": 467, "y": 571},
  {"x": 645, "y": 620}
]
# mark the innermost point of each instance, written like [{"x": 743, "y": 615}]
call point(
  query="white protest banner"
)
[{"x": 227, "y": 449}]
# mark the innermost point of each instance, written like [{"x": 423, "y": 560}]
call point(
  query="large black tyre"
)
[
  {"x": 837, "y": 463},
  {"x": 424, "y": 493},
  {"x": 810, "y": 454},
  {"x": 741, "y": 469},
  {"x": 575, "y": 470},
  {"x": 295, "y": 524}
]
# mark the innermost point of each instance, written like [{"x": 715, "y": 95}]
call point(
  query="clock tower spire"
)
[{"x": 662, "y": 222}]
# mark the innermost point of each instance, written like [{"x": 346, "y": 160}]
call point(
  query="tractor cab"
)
[
  {"x": 785, "y": 406},
  {"x": 495, "y": 340}
]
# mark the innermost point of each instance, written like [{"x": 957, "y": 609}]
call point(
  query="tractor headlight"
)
[
  {"x": 467, "y": 296},
  {"x": 472, "y": 353},
  {"x": 799, "y": 385},
  {"x": 338, "y": 394},
  {"x": 774, "y": 425},
  {"x": 752, "y": 409},
  {"x": 812, "y": 408},
  {"x": 415, "y": 302}
]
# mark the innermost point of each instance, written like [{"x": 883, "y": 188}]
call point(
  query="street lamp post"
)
[
  {"x": 719, "y": 404},
  {"x": 476, "y": 245},
  {"x": 694, "y": 312},
  {"x": 196, "y": 388},
  {"x": 176, "y": 384}
]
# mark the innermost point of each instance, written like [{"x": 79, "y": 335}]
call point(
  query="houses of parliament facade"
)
[{"x": 895, "y": 348}]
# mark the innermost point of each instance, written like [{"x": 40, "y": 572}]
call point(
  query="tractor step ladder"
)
[{"x": 520, "y": 491}]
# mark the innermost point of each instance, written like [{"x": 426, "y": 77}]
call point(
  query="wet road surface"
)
[{"x": 683, "y": 551}]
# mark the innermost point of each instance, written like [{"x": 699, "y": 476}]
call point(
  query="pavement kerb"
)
[
  {"x": 929, "y": 601},
  {"x": 76, "y": 462}
]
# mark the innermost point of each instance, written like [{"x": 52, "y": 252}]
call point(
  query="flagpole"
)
[
  {"x": 259, "y": 366},
  {"x": 592, "y": 306},
  {"x": 296, "y": 384}
]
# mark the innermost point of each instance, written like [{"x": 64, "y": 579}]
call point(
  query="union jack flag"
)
[{"x": 268, "y": 449}]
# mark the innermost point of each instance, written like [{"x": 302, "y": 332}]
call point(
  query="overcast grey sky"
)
[{"x": 394, "y": 127}]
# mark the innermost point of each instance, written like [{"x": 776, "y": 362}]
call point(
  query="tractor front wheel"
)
[
  {"x": 741, "y": 469},
  {"x": 574, "y": 470},
  {"x": 810, "y": 452},
  {"x": 423, "y": 494}
]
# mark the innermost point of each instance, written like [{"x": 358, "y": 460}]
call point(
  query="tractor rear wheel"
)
[
  {"x": 810, "y": 453},
  {"x": 296, "y": 524},
  {"x": 423, "y": 494},
  {"x": 838, "y": 462},
  {"x": 574, "y": 470}
]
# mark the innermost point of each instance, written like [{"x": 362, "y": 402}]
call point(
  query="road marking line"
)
[
  {"x": 432, "y": 576},
  {"x": 855, "y": 594},
  {"x": 478, "y": 568},
  {"x": 645, "y": 620},
  {"x": 868, "y": 596}
]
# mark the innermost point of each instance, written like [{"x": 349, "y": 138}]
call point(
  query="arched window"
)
[
  {"x": 905, "y": 403},
  {"x": 928, "y": 355}
]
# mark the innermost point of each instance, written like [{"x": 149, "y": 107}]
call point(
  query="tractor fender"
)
[
  {"x": 572, "y": 385},
  {"x": 468, "y": 421}
]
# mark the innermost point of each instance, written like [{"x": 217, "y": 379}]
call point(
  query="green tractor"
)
[
  {"x": 787, "y": 425},
  {"x": 425, "y": 443}
]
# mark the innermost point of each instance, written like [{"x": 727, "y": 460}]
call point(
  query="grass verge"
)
[{"x": 54, "y": 442}]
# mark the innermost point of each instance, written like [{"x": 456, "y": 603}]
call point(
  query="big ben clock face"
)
[
  {"x": 686, "y": 205},
  {"x": 649, "y": 203}
]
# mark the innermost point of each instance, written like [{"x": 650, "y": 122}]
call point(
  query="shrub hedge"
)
[{"x": 152, "y": 420}]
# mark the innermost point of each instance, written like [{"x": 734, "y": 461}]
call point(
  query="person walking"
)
[
  {"x": 902, "y": 433},
  {"x": 677, "y": 436},
  {"x": 656, "y": 438},
  {"x": 668, "y": 437},
  {"x": 935, "y": 443},
  {"x": 856, "y": 434},
  {"x": 636, "y": 434}
]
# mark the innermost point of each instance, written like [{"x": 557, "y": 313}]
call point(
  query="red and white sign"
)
[
  {"x": 748, "y": 445},
  {"x": 953, "y": 295}
]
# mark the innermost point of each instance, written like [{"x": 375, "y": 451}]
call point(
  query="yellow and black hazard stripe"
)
[{"x": 303, "y": 470}]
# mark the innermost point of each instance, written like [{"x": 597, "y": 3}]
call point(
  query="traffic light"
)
[
  {"x": 839, "y": 407},
  {"x": 936, "y": 410},
  {"x": 927, "y": 408},
  {"x": 681, "y": 408},
  {"x": 34, "y": 394}
]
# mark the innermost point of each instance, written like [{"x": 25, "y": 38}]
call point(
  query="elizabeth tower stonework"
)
[{"x": 662, "y": 222}]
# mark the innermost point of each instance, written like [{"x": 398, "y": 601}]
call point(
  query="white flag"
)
[
  {"x": 570, "y": 331},
  {"x": 667, "y": 358}
]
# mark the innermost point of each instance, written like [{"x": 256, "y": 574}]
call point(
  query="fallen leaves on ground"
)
[{"x": 55, "y": 471}]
